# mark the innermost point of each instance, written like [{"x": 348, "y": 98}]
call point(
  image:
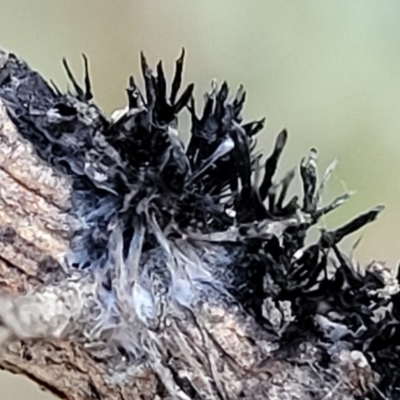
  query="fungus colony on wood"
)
[{"x": 197, "y": 258}]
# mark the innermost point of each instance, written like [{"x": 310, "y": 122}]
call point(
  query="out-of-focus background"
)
[{"x": 328, "y": 71}]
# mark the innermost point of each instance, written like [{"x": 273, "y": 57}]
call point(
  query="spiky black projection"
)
[{"x": 172, "y": 232}]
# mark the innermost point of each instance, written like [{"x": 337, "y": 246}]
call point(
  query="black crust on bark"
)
[{"x": 135, "y": 171}]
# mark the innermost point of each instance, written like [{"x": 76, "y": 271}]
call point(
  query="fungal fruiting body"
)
[{"x": 190, "y": 259}]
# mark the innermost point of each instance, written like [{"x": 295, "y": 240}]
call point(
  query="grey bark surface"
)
[{"x": 193, "y": 337}]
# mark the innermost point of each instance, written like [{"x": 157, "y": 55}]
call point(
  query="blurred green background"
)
[{"x": 328, "y": 71}]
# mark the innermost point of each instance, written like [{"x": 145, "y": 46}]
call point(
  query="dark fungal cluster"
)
[{"x": 212, "y": 200}]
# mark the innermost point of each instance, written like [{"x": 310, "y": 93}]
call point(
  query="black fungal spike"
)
[
  {"x": 284, "y": 188},
  {"x": 309, "y": 178},
  {"x": 271, "y": 164},
  {"x": 56, "y": 89},
  {"x": 184, "y": 99},
  {"x": 239, "y": 100},
  {"x": 161, "y": 83},
  {"x": 208, "y": 109},
  {"x": 223, "y": 93},
  {"x": 332, "y": 238},
  {"x": 177, "y": 81},
  {"x": 77, "y": 88},
  {"x": 88, "y": 86},
  {"x": 133, "y": 94},
  {"x": 253, "y": 128},
  {"x": 332, "y": 206},
  {"x": 148, "y": 81}
]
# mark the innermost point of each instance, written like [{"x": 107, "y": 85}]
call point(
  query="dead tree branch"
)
[{"x": 133, "y": 267}]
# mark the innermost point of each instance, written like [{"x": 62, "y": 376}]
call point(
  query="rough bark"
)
[
  {"x": 35, "y": 228},
  {"x": 178, "y": 319}
]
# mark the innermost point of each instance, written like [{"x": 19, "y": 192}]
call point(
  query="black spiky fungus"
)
[{"x": 170, "y": 230}]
